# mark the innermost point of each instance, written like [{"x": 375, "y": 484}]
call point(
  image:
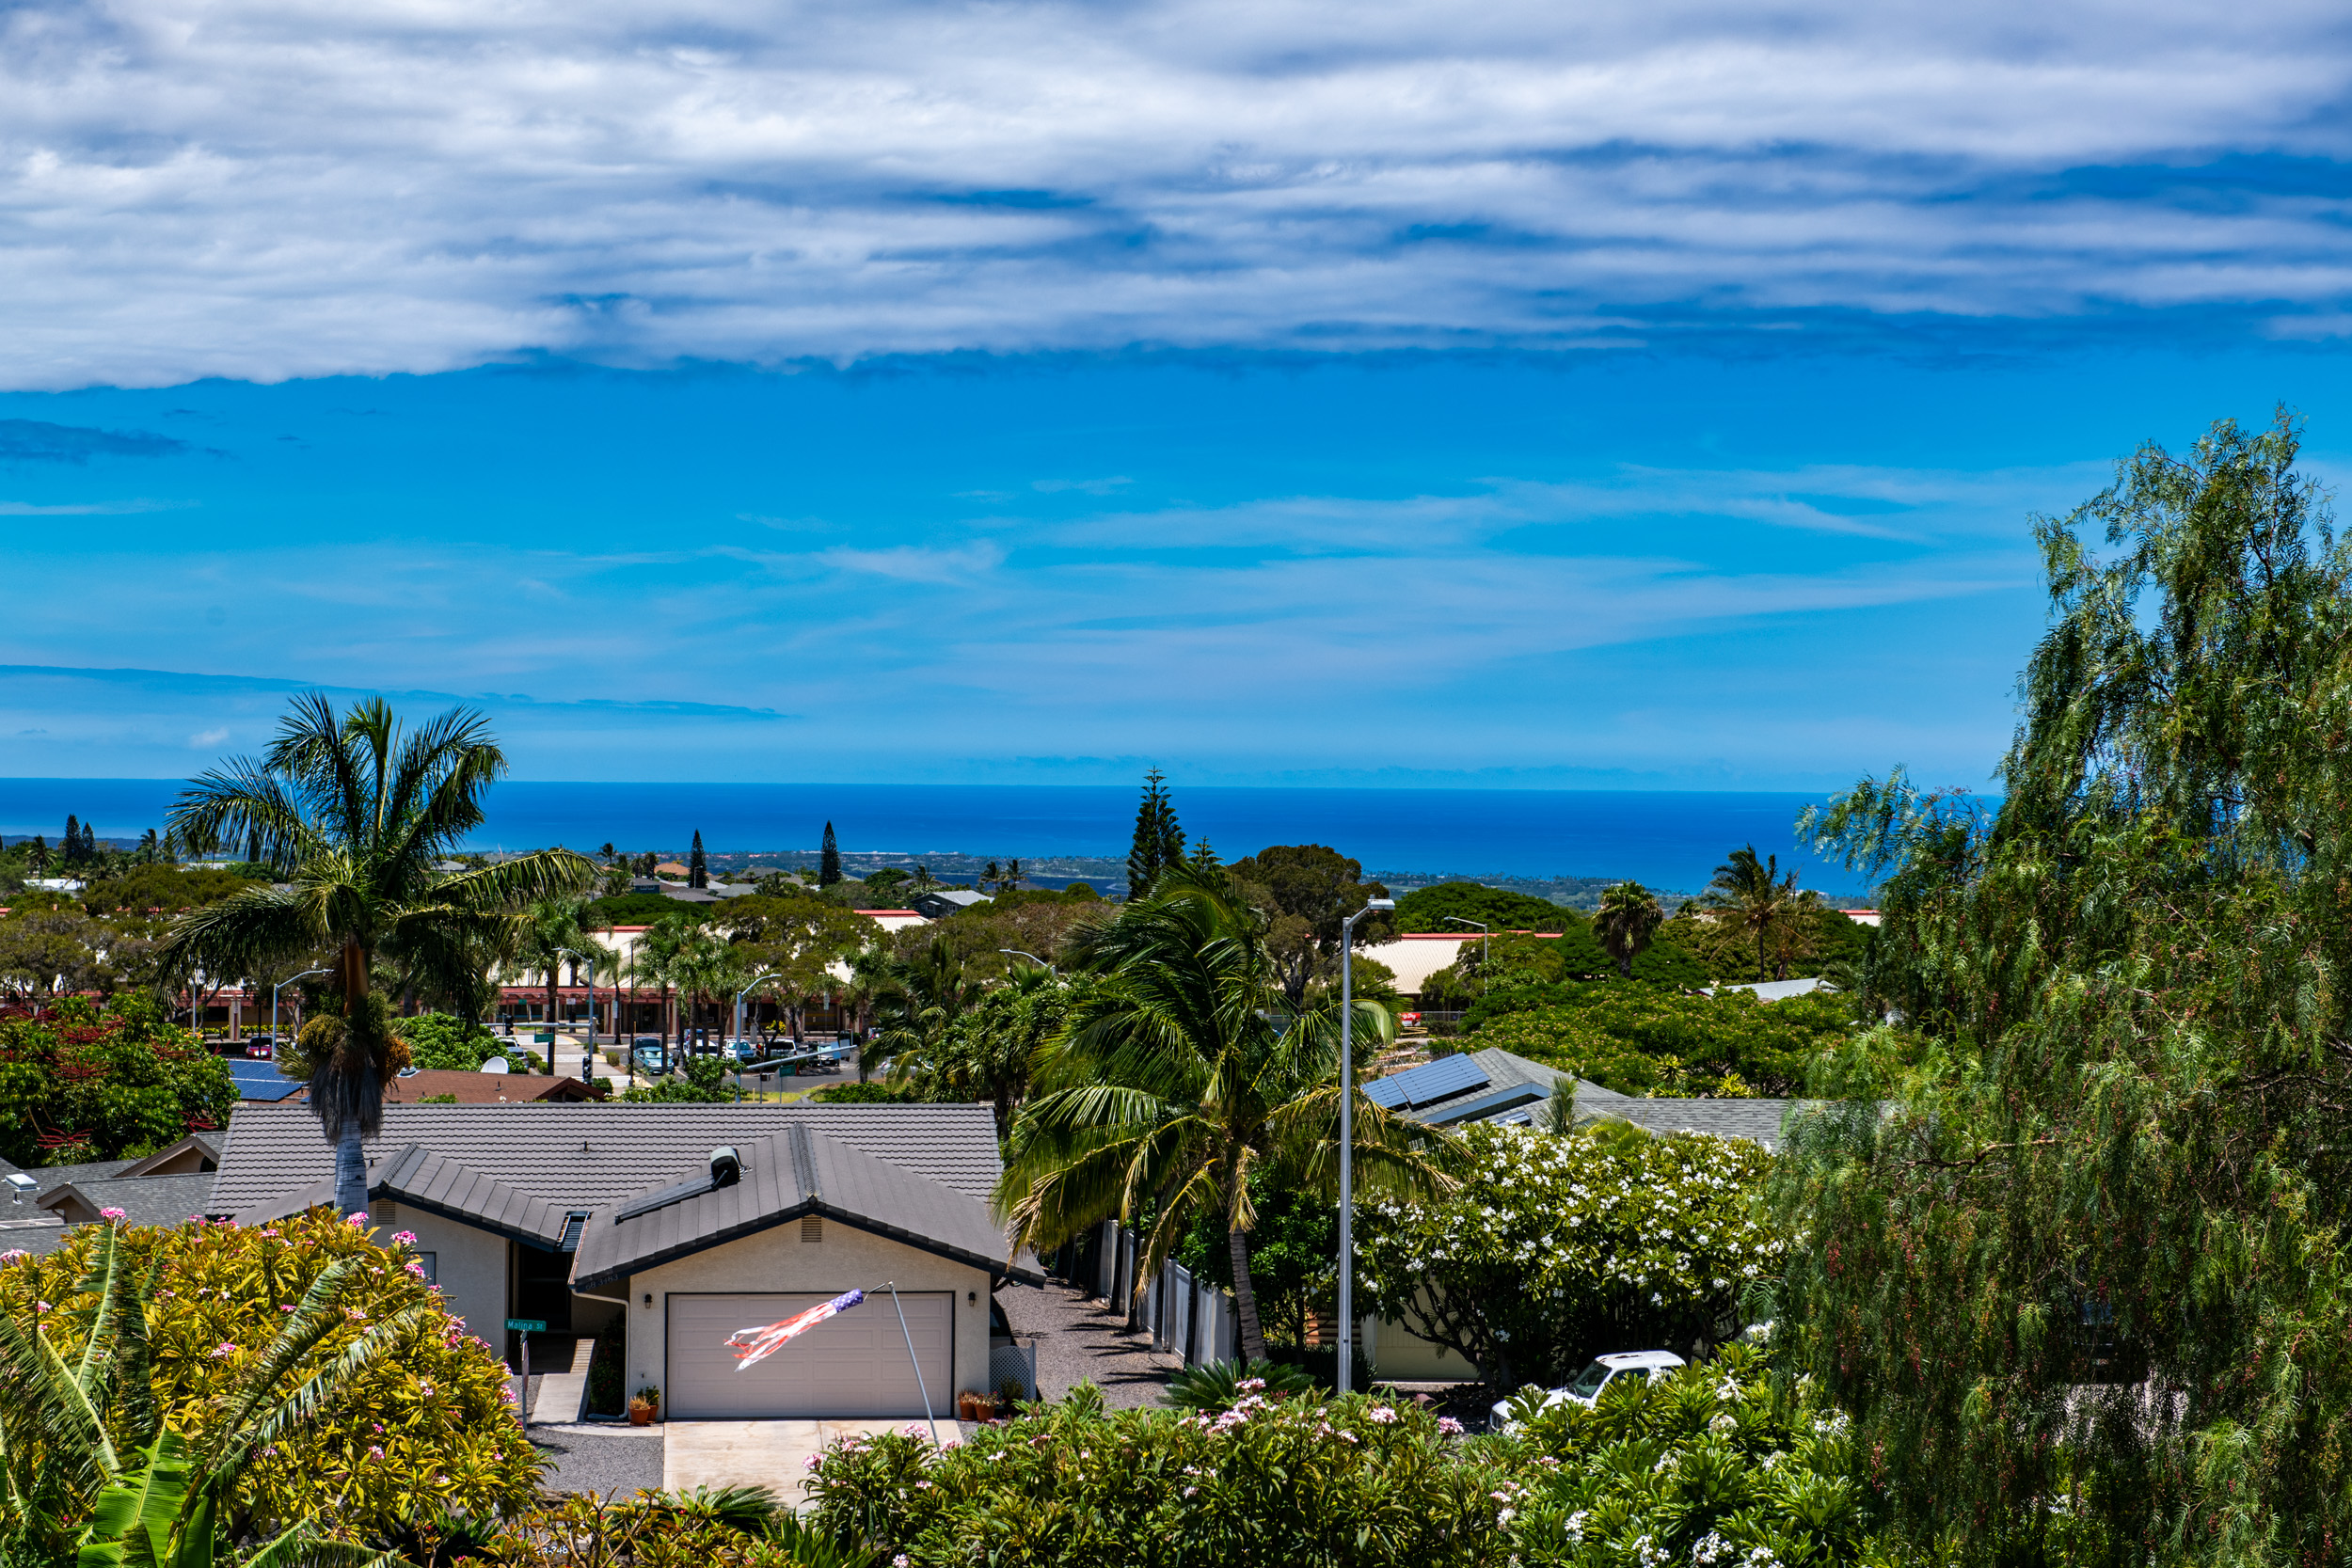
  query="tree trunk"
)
[
  {"x": 351, "y": 1172},
  {"x": 1245, "y": 1298}
]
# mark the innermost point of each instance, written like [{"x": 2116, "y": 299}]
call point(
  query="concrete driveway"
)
[{"x": 773, "y": 1454}]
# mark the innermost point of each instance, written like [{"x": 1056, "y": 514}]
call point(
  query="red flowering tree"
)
[{"x": 79, "y": 1084}]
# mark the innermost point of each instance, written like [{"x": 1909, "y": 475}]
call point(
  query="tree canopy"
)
[
  {"x": 2093, "y": 1268},
  {"x": 1425, "y": 909}
]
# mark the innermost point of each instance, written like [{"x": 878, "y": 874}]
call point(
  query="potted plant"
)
[{"x": 645, "y": 1406}]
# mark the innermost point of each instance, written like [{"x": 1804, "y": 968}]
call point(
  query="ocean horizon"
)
[{"x": 1665, "y": 839}]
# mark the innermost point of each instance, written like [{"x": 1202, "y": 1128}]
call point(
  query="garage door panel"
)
[{"x": 852, "y": 1364}]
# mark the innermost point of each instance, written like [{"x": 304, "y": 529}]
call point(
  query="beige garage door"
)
[{"x": 852, "y": 1364}]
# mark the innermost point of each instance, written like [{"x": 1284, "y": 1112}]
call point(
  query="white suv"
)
[{"x": 1586, "y": 1389}]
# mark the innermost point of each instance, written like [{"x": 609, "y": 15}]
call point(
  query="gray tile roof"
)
[
  {"x": 53, "y": 1176},
  {"x": 591, "y": 1154},
  {"x": 41, "y": 1236},
  {"x": 1757, "y": 1120},
  {"x": 143, "y": 1200},
  {"x": 794, "y": 1171}
]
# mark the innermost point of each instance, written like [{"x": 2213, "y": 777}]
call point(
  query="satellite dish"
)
[{"x": 496, "y": 1064}]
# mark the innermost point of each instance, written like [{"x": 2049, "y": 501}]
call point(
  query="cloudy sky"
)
[{"x": 1646, "y": 395}]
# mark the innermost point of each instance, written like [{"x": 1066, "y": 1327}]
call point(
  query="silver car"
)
[{"x": 1585, "y": 1387}]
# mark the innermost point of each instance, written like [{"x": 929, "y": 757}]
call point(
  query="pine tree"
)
[
  {"x": 89, "y": 841},
  {"x": 71, "y": 850},
  {"x": 1159, "y": 843},
  {"x": 697, "y": 866},
  {"x": 829, "y": 860}
]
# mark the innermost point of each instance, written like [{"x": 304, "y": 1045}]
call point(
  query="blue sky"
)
[{"x": 1630, "y": 396}]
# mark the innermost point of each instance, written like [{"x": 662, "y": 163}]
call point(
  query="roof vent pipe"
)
[{"x": 726, "y": 1167}]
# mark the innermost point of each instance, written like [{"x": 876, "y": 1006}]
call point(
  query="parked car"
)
[
  {"x": 1585, "y": 1387},
  {"x": 262, "y": 1048},
  {"x": 647, "y": 1053}
]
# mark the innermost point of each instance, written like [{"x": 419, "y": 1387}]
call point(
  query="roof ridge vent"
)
[{"x": 805, "y": 1164}]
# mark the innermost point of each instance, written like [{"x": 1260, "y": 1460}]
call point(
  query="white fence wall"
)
[{"x": 1184, "y": 1316}]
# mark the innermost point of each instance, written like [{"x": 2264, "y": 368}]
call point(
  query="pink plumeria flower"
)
[
  {"x": 110, "y": 1213},
  {"x": 375, "y": 1452},
  {"x": 359, "y": 1218},
  {"x": 910, "y": 1430},
  {"x": 1448, "y": 1425},
  {"x": 404, "y": 1238},
  {"x": 223, "y": 1350}
]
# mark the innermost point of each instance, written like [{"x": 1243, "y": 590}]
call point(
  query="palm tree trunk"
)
[
  {"x": 351, "y": 1171},
  {"x": 1245, "y": 1298}
]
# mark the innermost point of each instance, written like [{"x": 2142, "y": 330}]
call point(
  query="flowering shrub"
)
[
  {"x": 427, "y": 1430},
  {"x": 1556, "y": 1247},
  {"x": 78, "y": 1084},
  {"x": 1646, "y": 1039},
  {"x": 1303, "y": 1481},
  {"x": 1721, "y": 1466}
]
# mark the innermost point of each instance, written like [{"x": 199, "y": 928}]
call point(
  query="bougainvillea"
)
[
  {"x": 1555, "y": 1247},
  {"x": 77, "y": 1084},
  {"x": 429, "y": 1429}
]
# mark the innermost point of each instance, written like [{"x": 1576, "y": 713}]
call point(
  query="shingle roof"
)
[
  {"x": 792, "y": 1172},
  {"x": 589, "y": 1155},
  {"x": 1757, "y": 1120},
  {"x": 143, "y": 1200},
  {"x": 53, "y": 1176}
]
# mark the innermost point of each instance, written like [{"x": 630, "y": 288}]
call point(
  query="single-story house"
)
[
  {"x": 942, "y": 902},
  {"x": 686, "y": 1223}
]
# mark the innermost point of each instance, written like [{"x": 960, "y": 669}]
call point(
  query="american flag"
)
[{"x": 756, "y": 1344}]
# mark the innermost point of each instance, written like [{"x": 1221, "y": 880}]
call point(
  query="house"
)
[
  {"x": 686, "y": 1223},
  {"x": 419, "y": 1084},
  {"x": 942, "y": 902},
  {"x": 1478, "y": 1085},
  {"x": 162, "y": 1188},
  {"x": 1776, "y": 990}
]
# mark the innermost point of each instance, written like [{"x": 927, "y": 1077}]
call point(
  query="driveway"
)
[{"x": 773, "y": 1454}]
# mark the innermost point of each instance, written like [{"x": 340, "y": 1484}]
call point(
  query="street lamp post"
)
[
  {"x": 1347, "y": 1139},
  {"x": 1031, "y": 956},
  {"x": 738, "y": 1038},
  {"x": 275, "y": 1043},
  {"x": 590, "y": 1054},
  {"x": 1484, "y": 950}
]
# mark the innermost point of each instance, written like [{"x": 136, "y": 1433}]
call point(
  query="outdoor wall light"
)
[
  {"x": 972, "y": 1296},
  {"x": 648, "y": 1298}
]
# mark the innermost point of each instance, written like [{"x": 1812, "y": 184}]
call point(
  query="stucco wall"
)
[
  {"x": 1397, "y": 1353},
  {"x": 469, "y": 1265},
  {"x": 777, "y": 1260}
]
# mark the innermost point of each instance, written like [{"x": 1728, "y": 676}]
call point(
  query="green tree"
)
[
  {"x": 1307, "y": 892},
  {"x": 2096, "y": 1259},
  {"x": 1427, "y": 909},
  {"x": 989, "y": 1052},
  {"x": 697, "y": 866},
  {"x": 1755, "y": 897},
  {"x": 1159, "y": 843},
  {"x": 1628, "y": 917},
  {"x": 362, "y": 809},
  {"x": 1183, "y": 1070},
  {"x": 829, "y": 860},
  {"x": 82, "y": 1085},
  {"x": 656, "y": 962},
  {"x": 552, "y": 934}
]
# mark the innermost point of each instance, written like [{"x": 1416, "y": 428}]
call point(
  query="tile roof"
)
[
  {"x": 1757, "y": 1120},
  {"x": 591, "y": 1154},
  {"x": 794, "y": 1171},
  {"x": 143, "y": 1200},
  {"x": 53, "y": 1176},
  {"x": 484, "y": 1089}
]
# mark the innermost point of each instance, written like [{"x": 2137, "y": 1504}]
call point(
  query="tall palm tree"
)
[
  {"x": 1628, "y": 918},
  {"x": 1754, "y": 896},
  {"x": 1181, "y": 1069},
  {"x": 359, "y": 808},
  {"x": 918, "y": 1000}
]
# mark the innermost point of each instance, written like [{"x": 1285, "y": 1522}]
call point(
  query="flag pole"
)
[{"x": 917, "y": 1364}]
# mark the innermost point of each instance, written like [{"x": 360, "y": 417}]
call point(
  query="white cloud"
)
[
  {"x": 204, "y": 740},
  {"x": 264, "y": 188}
]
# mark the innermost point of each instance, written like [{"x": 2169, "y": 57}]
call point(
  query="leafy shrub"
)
[
  {"x": 1218, "y": 1386},
  {"x": 1302, "y": 1482},
  {"x": 431, "y": 1428},
  {"x": 728, "y": 1526},
  {"x": 1425, "y": 909},
  {"x": 699, "y": 1080},
  {"x": 869, "y": 1094},
  {"x": 1643, "y": 1040},
  {"x": 1557, "y": 1247},
  {"x": 446, "y": 1041},
  {"x": 1724, "y": 1465},
  {"x": 80, "y": 1084}
]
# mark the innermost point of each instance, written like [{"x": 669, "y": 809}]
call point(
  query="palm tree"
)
[
  {"x": 360, "y": 809},
  {"x": 1754, "y": 897},
  {"x": 555, "y": 931},
  {"x": 918, "y": 1002},
  {"x": 1181, "y": 1069},
  {"x": 656, "y": 963},
  {"x": 1629, "y": 916}
]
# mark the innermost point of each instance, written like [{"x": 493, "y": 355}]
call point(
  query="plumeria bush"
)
[
  {"x": 1651, "y": 1041},
  {"x": 1721, "y": 1466},
  {"x": 426, "y": 1431},
  {"x": 1557, "y": 1246},
  {"x": 1291, "y": 1482}
]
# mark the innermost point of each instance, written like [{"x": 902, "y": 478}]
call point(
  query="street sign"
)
[{"x": 526, "y": 1326}]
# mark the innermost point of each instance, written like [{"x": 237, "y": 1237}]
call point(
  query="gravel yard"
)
[
  {"x": 1080, "y": 1341},
  {"x": 607, "y": 1459}
]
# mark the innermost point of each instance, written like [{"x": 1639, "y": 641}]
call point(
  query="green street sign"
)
[{"x": 526, "y": 1326}]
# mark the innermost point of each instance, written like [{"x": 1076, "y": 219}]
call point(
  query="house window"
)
[{"x": 812, "y": 1228}]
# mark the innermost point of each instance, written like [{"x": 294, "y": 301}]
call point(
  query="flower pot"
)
[{"x": 642, "y": 1414}]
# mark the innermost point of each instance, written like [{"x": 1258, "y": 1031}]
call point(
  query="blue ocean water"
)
[{"x": 1671, "y": 840}]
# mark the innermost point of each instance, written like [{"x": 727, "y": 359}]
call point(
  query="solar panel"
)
[
  {"x": 1426, "y": 1084},
  {"x": 259, "y": 1079}
]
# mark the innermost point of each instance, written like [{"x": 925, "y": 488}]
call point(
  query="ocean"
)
[{"x": 1666, "y": 839}]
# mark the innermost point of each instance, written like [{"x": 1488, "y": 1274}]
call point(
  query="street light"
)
[
  {"x": 1347, "y": 1137},
  {"x": 737, "y": 1040},
  {"x": 1484, "y": 934},
  {"x": 274, "y": 1042},
  {"x": 1031, "y": 956},
  {"x": 590, "y": 1054}
]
